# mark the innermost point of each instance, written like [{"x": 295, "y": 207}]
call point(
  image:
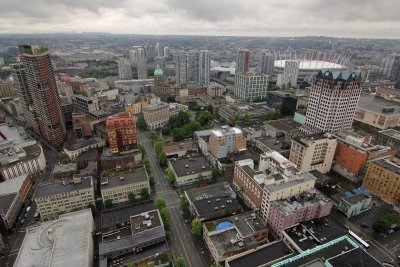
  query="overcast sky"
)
[{"x": 347, "y": 18}]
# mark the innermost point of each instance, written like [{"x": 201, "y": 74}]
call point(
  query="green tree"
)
[
  {"x": 159, "y": 203},
  {"x": 152, "y": 180},
  {"x": 144, "y": 193},
  {"x": 64, "y": 159},
  {"x": 142, "y": 150},
  {"x": 196, "y": 227},
  {"x": 180, "y": 262},
  {"x": 108, "y": 203},
  {"x": 141, "y": 122},
  {"x": 170, "y": 175},
  {"x": 162, "y": 158},
  {"x": 146, "y": 163},
  {"x": 168, "y": 236},
  {"x": 215, "y": 173},
  {"x": 184, "y": 204},
  {"x": 165, "y": 216},
  {"x": 131, "y": 197},
  {"x": 194, "y": 106},
  {"x": 235, "y": 119},
  {"x": 204, "y": 118},
  {"x": 246, "y": 118},
  {"x": 153, "y": 137},
  {"x": 158, "y": 148}
]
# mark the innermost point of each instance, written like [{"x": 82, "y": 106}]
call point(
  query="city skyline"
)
[{"x": 358, "y": 19}]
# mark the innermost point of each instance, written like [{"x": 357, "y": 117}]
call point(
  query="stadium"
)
[{"x": 310, "y": 64}]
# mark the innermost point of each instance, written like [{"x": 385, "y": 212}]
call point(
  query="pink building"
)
[{"x": 299, "y": 208}]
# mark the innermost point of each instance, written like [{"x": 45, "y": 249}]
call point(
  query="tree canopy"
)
[
  {"x": 159, "y": 203},
  {"x": 196, "y": 227}
]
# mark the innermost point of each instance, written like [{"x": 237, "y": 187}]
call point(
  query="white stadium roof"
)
[{"x": 311, "y": 64}]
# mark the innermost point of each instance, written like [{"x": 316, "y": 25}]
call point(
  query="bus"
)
[{"x": 359, "y": 239}]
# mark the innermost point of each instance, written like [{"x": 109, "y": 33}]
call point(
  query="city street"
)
[{"x": 183, "y": 242}]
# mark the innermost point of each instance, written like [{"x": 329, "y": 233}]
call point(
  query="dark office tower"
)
[
  {"x": 25, "y": 97},
  {"x": 43, "y": 90}
]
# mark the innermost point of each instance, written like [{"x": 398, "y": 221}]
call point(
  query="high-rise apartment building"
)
[
  {"x": 121, "y": 132},
  {"x": 166, "y": 52},
  {"x": 266, "y": 63},
  {"x": 124, "y": 69},
  {"x": 383, "y": 179},
  {"x": 37, "y": 84},
  {"x": 193, "y": 68},
  {"x": 242, "y": 61},
  {"x": 291, "y": 71},
  {"x": 24, "y": 93},
  {"x": 395, "y": 71},
  {"x": 226, "y": 140},
  {"x": 7, "y": 88},
  {"x": 333, "y": 101},
  {"x": 203, "y": 67},
  {"x": 313, "y": 152},
  {"x": 250, "y": 85},
  {"x": 387, "y": 64}
]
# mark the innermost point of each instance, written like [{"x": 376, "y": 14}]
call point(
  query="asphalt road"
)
[{"x": 183, "y": 243}]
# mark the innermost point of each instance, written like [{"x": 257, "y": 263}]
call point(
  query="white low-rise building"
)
[
  {"x": 190, "y": 170},
  {"x": 66, "y": 241},
  {"x": 74, "y": 150}
]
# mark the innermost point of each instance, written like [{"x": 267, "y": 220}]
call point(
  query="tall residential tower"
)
[
  {"x": 42, "y": 103},
  {"x": 242, "y": 61}
]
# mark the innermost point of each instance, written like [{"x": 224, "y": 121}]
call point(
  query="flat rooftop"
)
[
  {"x": 131, "y": 241},
  {"x": 354, "y": 199},
  {"x": 217, "y": 204},
  {"x": 187, "y": 166},
  {"x": 157, "y": 253},
  {"x": 178, "y": 146},
  {"x": 81, "y": 143},
  {"x": 246, "y": 224},
  {"x": 124, "y": 179},
  {"x": 306, "y": 199},
  {"x": 64, "y": 242},
  {"x": 392, "y": 133},
  {"x": 12, "y": 185},
  {"x": 287, "y": 124},
  {"x": 6, "y": 201},
  {"x": 310, "y": 234},
  {"x": 391, "y": 166},
  {"x": 376, "y": 105},
  {"x": 356, "y": 258},
  {"x": 281, "y": 186},
  {"x": 70, "y": 167},
  {"x": 318, "y": 255},
  {"x": 144, "y": 221},
  {"x": 116, "y": 216},
  {"x": 57, "y": 187},
  {"x": 262, "y": 256},
  {"x": 307, "y": 139},
  {"x": 213, "y": 190}
]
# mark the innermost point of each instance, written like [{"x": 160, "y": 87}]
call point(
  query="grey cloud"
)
[{"x": 216, "y": 17}]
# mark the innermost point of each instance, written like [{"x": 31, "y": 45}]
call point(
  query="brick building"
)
[
  {"x": 353, "y": 155},
  {"x": 121, "y": 131}
]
